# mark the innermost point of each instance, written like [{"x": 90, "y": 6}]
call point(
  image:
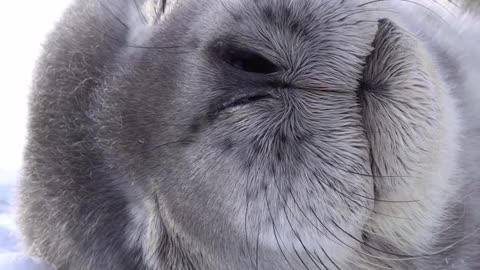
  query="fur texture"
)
[{"x": 259, "y": 134}]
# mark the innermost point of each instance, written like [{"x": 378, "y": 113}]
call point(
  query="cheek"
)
[
  {"x": 299, "y": 173},
  {"x": 314, "y": 207}
]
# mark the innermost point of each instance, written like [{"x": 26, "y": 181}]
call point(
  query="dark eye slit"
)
[
  {"x": 239, "y": 101},
  {"x": 245, "y": 100}
]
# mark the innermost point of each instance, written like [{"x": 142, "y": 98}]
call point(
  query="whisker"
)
[
  {"x": 402, "y": 177},
  {"x": 275, "y": 231},
  {"x": 301, "y": 242},
  {"x": 328, "y": 230},
  {"x": 384, "y": 201},
  {"x": 370, "y": 264},
  {"x": 315, "y": 226},
  {"x": 457, "y": 221},
  {"x": 329, "y": 258},
  {"x": 414, "y": 3},
  {"x": 257, "y": 245},
  {"x": 247, "y": 205},
  {"x": 357, "y": 203},
  {"x": 331, "y": 186},
  {"x": 300, "y": 258}
]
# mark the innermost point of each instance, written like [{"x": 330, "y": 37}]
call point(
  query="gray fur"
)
[{"x": 359, "y": 152}]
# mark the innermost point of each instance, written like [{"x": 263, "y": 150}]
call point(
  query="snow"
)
[
  {"x": 16, "y": 261},
  {"x": 10, "y": 257},
  {"x": 7, "y": 224}
]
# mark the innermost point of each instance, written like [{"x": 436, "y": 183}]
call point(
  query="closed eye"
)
[{"x": 238, "y": 101}]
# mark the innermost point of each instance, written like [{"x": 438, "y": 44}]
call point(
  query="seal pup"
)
[{"x": 267, "y": 134}]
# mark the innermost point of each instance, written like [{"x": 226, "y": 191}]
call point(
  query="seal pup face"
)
[{"x": 279, "y": 134}]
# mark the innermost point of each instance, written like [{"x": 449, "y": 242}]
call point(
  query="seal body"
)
[{"x": 261, "y": 134}]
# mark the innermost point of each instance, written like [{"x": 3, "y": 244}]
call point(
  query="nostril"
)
[{"x": 247, "y": 60}]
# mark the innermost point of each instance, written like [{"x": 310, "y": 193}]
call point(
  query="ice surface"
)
[
  {"x": 10, "y": 258},
  {"x": 7, "y": 224},
  {"x": 16, "y": 261}
]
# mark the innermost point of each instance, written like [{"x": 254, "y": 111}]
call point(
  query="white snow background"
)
[{"x": 23, "y": 27}]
